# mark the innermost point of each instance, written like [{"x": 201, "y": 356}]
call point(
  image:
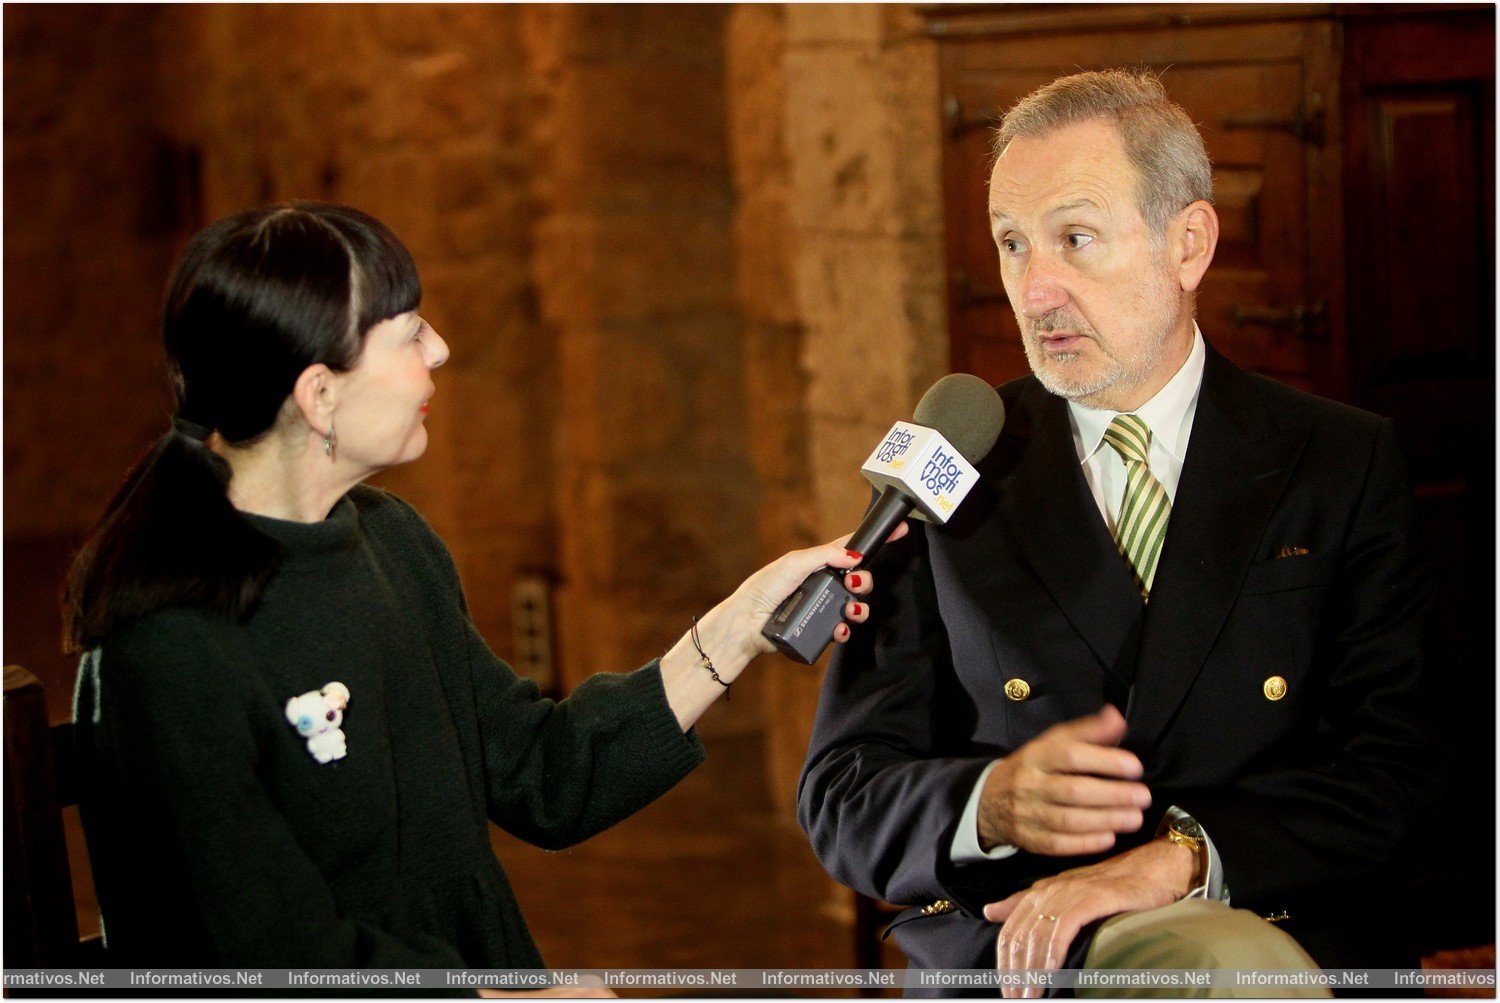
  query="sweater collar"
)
[{"x": 335, "y": 532}]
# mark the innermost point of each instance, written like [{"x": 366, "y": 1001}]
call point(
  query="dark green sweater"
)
[{"x": 217, "y": 840}]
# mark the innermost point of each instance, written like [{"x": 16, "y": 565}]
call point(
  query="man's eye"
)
[
  {"x": 1077, "y": 240},
  {"x": 1010, "y": 245}
]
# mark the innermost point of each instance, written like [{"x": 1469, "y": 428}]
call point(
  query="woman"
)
[{"x": 292, "y": 736}]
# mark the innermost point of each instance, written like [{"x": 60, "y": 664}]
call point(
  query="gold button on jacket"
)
[
  {"x": 1274, "y": 688},
  {"x": 1017, "y": 689}
]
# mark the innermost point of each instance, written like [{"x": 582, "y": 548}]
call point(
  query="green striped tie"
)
[{"x": 1142, "y": 525}]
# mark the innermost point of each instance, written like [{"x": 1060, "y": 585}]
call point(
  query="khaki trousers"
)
[{"x": 1197, "y": 934}]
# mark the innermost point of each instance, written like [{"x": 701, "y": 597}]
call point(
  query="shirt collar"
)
[{"x": 1169, "y": 414}]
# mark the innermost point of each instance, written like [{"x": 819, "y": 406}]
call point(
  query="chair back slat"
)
[{"x": 41, "y": 926}]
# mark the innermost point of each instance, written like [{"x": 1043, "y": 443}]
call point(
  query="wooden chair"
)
[{"x": 41, "y": 924}]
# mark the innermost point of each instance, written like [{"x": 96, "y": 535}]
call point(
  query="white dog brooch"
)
[{"x": 317, "y": 715}]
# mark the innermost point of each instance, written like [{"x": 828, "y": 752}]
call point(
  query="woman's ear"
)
[
  {"x": 1197, "y": 236},
  {"x": 316, "y": 394}
]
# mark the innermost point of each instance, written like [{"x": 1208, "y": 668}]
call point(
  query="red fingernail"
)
[
  {"x": 859, "y": 609},
  {"x": 855, "y": 554},
  {"x": 855, "y": 581}
]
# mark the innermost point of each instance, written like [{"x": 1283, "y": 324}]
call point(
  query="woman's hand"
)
[
  {"x": 763, "y": 592},
  {"x": 730, "y": 633}
]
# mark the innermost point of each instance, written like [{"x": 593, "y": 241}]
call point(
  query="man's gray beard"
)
[
  {"x": 1057, "y": 385},
  {"x": 1070, "y": 391},
  {"x": 1118, "y": 375}
]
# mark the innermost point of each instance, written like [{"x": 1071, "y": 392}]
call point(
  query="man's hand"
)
[
  {"x": 1041, "y": 922},
  {"x": 1066, "y": 792}
]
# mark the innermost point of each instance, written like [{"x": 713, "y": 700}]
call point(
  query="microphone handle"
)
[
  {"x": 802, "y": 626},
  {"x": 879, "y": 522}
]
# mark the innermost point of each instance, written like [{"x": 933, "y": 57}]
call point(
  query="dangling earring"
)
[{"x": 330, "y": 438}]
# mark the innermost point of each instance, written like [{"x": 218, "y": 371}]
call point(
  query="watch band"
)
[
  {"x": 1188, "y": 833},
  {"x": 1183, "y": 839}
]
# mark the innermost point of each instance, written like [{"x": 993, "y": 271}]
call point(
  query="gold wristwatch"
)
[{"x": 1187, "y": 832}]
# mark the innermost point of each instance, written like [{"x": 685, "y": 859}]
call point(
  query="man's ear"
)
[
  {"x": 316, "y": 394},
  {"x": 1196, "y": 235}
]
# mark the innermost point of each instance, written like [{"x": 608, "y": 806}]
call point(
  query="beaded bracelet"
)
[{"x": 706, "y": 663}]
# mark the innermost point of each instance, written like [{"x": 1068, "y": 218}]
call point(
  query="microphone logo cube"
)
[
  {"x": 922, "y": 464},
  {"x": 941, "y": 474},
  {"x": 894, "y": 447}
]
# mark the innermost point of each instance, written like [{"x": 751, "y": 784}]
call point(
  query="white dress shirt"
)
[{"x": 1169, "y": 415}]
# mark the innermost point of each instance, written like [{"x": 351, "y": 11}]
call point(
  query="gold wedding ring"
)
[{"x": 1049, "y": 917}]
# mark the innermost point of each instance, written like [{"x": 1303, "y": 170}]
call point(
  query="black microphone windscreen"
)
[{"x": 966, "y": 411}]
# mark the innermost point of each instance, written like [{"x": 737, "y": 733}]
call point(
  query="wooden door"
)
[{"x": 1419, "y": 120}]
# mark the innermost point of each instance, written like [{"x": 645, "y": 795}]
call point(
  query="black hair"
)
[{"x": 255, "y": 299}]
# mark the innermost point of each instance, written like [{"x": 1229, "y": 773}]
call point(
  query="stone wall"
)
[
  {"x": 634, "y": 257},
  {"x": 860, "y": 100},
  {"x": 89, "y": 236},
  {"x": 687, "y": 259}
]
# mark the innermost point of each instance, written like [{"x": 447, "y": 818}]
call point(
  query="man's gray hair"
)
[{"x": 1160, "y": 140}]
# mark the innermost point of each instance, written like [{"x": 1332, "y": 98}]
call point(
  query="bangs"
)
[
  {"x": 388, "y": 281},
  {"x": 385, "y": 277}
]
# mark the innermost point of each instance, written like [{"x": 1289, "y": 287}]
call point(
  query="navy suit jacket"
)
[{"x": 1305, "y": 797}]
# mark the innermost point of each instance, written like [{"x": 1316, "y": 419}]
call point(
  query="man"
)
[{"x": 1166, "y": 656}]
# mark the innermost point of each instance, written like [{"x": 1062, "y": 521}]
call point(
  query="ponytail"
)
[{"x": 169, "y": 537}]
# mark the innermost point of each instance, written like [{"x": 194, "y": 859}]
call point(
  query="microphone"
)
[{"x": 923, "y": 468}]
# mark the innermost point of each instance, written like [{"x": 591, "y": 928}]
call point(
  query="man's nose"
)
[{"x": 1042, "y": 288}]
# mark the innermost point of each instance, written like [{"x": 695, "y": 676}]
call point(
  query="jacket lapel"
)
[
  {"x": 1238, "y": 461},
  {"x": 1058, "y": 529}
]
